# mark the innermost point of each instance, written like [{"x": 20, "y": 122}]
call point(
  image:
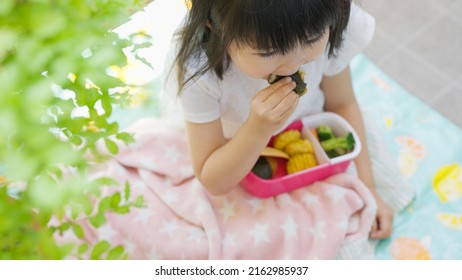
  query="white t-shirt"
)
[{"x": 209, "y": 98}]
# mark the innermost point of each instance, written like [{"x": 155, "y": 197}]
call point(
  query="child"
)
[{"x": 225, "y": 52}]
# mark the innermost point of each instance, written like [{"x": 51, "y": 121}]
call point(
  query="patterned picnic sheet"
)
[{"x": 428, "y": 149}]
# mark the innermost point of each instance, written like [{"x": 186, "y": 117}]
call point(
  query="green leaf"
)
[
  {"x": 127, "y": 191},
  {"x": 63, "y": 227},
  {"x": 97, "y": 220},
  {"x": 76, "y": 140},
  {"x": 105, "y": 204},
  {"x": 106, "y": 181},
  {"x": 111, "y": 146},
  {"x": 87, "y": 206},
  {"x": 115, "y": 200},
  {"x": 123, "y": 209},
  {"x": 115, "y": 253},
  {"x": 113, "y": 128},
  {"x": 99, "y": 249},
  {"x": 78, "y": 231},
  {"x": 106, "y": 103},
  {"x": 83, "y": 248},
  {"x": 126, "y": 137},
  {"x": 139, "y": 202},
  {"x": 75, "y": 211}
]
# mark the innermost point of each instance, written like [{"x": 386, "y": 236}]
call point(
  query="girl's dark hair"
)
[{"x": 266, "y": 25}]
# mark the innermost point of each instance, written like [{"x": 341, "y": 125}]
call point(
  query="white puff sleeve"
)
[{"x": 199, "y": 102}]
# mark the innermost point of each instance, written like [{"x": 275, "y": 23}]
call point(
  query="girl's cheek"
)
[{"x": 260, "y": 69}]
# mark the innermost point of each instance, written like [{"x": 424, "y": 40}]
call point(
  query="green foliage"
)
[{"x": 54, "y": 59}]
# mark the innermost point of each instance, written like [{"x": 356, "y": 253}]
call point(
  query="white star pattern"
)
[
  {"x": 259, "y": 233},
  {"x": 290, "y": 228},
  {"x": 196, "y": 234},
  {"x": 130, "y": 247},
  {"x": 149, "y": 163},
  {"x": 342, "y": 224},
  {"x": 137, "y": 186},
  {"x": 285, "y": 199},
  {"x": 170, "y": 196},
  {"x": 211, "y": 233},
  {"x": 336, "y": 194},
  {"x": 169, "y": 227},
  {"x": 229, "y": 240},
  {"x": 196, "y": 189},
  {"x": 172, "y": 154},
  {"x": 106, "y": 232},
  {"x": 228, "y": 209},
  {"x": 256, "y": 204},
  {"x": 154, "y": 255},
  {"x": 143, "y": 215},
  {"x": 310, "y": 199},
  {"x": 318, "y": 230},
  {"x": 203, "y": 206}
]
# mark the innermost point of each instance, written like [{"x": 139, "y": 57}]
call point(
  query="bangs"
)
[{"x": 267, "y": 25}]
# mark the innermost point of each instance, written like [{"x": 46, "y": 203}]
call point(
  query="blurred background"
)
[{"x": 419, "y": 44}]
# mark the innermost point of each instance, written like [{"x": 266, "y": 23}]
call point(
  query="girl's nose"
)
[
  {"x": 291, "y": 66},
  {"x": 292, "y": 62}
]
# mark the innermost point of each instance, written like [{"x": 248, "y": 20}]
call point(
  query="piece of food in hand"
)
[
  {"x": 300, "y": 162},
  {"x": 297, "y": 77},
  {"x": 262, "y": 168},
  {"x": 299, "y": 147},
  {"x": 338, "y": 146},
  {"x": 285, "y": 138}
]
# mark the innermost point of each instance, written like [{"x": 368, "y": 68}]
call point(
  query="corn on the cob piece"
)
[
  {"x": 286, "y": 137},
  {"x": 300, "y": 162},
  {"x": 299, "y": 147}
]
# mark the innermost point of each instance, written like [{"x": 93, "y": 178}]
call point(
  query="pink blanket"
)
[{"x": 183, "y": 221}]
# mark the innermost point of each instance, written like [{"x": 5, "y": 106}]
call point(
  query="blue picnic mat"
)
[{"x": 428, "y": 150}]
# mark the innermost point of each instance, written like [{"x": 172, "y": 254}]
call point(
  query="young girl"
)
[{"x": 222, "y": 57}]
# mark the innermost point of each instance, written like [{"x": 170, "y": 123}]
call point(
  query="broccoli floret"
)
[
  {"x": 324, "y": 132},
  {"x": 340, "y": 144}
]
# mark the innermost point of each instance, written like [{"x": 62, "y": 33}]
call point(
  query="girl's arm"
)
[
  {"x": 340, "y": 99},
  {"x": 221, "y": 164}
]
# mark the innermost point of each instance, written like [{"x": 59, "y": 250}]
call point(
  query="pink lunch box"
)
[{"x": 283, "y": 182}]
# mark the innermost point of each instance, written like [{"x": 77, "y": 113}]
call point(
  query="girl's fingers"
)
[
  {"x": 273, "y": 88},
  {"x": 287, "y": 105},
  {"x": 279, "y": 95}
]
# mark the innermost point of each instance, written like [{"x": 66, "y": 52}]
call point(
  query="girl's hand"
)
[
  {"x": 383, "y": 224},
  {"x": 272, "y": 106}
]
